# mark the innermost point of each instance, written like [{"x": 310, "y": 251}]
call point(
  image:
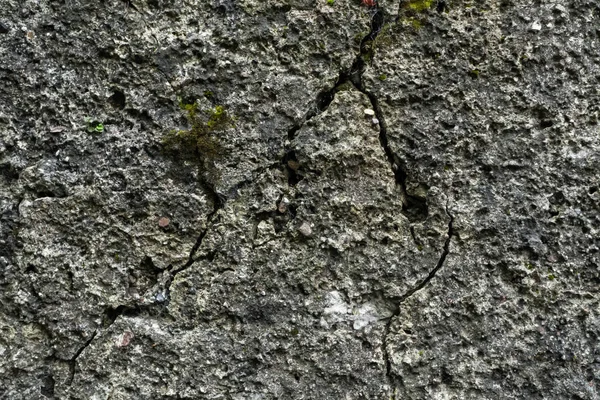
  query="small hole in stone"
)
[{"x": 117, "y": 99}]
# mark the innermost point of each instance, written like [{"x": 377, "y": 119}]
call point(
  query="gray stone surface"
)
[{"x": 405, "y": 206}]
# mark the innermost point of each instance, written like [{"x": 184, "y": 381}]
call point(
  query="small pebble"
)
[
  {"x": 293, "y": 164},
  {"x": 164, "y": 222},
  {"x": 282, "y": 207},
  {"x": 369, "y": 112},
  {"x": 375, "y": 121},
  {"x": 305, "y": 229},
  {"x": 124, "y": 339},
  {"x": 3, "y": 28}
]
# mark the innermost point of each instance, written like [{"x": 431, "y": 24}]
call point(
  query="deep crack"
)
[
  {"x": 112, "y": 313},
  {"x": 73, "y": 361},
  {"x": 218, "y": 203},
  {"x": 413, "y": 207},
  {"x": 325, "y": 97},
  {"x": 386, "y": 356}
]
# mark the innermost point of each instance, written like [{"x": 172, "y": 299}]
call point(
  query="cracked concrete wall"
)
[{"x": 405, "y": 207}]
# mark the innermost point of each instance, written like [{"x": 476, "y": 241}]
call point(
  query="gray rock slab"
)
[{"x": 402, "y": 202}]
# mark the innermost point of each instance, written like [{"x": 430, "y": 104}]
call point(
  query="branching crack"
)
[
  {"x": 324, "y": 98},
  {"x": 112, "y": 313},
  {"x": 414, "y": 207},
  {"x": 219, "y": 203}
]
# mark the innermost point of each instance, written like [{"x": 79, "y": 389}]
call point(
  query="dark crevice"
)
[
  {"x": 211, "y": 217},
  {"x": 324, "y": 98},
  {"x": 413, "y": 207},
  {"x": 159, "y": 306},
  {"x": 321, "y": 104},
  {"x": 73, "y": 361},
  {"x": 438, "y": 266},
  {"x": 290, "y": 164},
  {"x": 415, "y": 238},
  {"x": 441, "y": 6},
  {"x": 218, "y": 204},
  {"x": 47, "y": 388},
  {"x": 392, "y": 379},
  {"x": 112, "y": 313}
]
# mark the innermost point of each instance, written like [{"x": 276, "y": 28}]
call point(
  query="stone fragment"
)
[
  {"x": 283, "y": 205},
  {"x": 163, "y": 222},
  {"x": 305, "y": 229},
  {"x": 124, "y": 339},
  {"x": 293, "y": 164}
]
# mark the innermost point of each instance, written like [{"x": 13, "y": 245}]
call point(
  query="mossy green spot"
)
[
  {"x": 200, "y": 143},
  {"x": 94, "y": 125},
  {"x": 418, "y": 5},
  {"x": 474, "y": 73}
]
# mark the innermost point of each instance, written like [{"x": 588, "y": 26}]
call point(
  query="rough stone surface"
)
[{"x": 405, "y": 205}]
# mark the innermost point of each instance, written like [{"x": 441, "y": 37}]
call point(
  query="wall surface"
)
[{"x": 299, "y": 199}]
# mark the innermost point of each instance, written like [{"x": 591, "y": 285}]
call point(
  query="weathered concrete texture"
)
[
  {"x": 405, "y": 205},
  {"x": 496, "y": 105}
]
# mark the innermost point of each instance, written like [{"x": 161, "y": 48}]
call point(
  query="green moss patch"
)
[{"x": 201, "y": 142}]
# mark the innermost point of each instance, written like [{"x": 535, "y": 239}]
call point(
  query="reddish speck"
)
[
  {"x": 124, "y": 339},
  {"x": 164, "y": 222},
  {"x": 369, "y": 3}
]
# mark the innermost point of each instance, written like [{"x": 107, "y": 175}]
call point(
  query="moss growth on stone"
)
[
  {"x": 346, "y": 86},
  {"x": 418, "y": 5},
  {"x": 414, "y": 13},
  {"x": 94, "y": 125},
  {"x": 385, "y": 36},
  {"x": 200, "y": 143},
  {"x": 414, "y": 22}
]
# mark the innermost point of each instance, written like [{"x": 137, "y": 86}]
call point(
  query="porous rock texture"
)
[{"x": 404, "y": 204}]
